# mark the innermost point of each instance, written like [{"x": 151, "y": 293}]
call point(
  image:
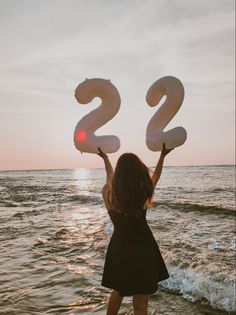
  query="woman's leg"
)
[
  {"x": 140, "y": 304},
  {"x": 114, "y": 303}
]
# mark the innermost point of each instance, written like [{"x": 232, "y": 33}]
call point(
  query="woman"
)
[{"x": 133, "y": 265}]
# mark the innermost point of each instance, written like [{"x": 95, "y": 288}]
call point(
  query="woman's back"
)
[{"x": 128, "y": 226}]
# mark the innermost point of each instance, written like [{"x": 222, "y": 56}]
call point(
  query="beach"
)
[{"x": 54, "y": 232}]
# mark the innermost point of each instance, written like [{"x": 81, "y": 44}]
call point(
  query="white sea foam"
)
[{"x": 217, "y": 289}]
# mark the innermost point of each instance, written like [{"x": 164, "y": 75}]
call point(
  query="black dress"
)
[{"x": 134, "y": 264}]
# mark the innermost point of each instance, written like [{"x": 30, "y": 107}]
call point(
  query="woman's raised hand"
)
[
  {"x": 102, "y": 154},
  {"x": 165, "y": 151}
]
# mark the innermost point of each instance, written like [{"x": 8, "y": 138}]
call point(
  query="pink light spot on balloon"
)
[{"x": 81, "y": 135}]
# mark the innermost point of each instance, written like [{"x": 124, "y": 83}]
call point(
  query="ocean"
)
[{"x": 54, "y": 232}]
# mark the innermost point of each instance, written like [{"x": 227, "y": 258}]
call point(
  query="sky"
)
[{"x": 48, "y": 47}]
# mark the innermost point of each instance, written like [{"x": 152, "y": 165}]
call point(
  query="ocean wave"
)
[
  {"x": 85, "y": 199},
  {"x": 7, "y": 204},
  {"x": 25, "y": 213},
  {"x": 218, "y": 189},
  {"x": 188, "y": 207},
  {"x": 217, "y": 289}
]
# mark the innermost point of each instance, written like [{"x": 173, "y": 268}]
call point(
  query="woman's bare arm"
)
[
  {"x": 109, "y": 174},
  {"x": 158, "y": 169},
  {"x": 108, "y": 167}
]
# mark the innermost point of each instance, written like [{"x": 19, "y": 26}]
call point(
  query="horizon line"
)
[{"x": 94, "y": 168}]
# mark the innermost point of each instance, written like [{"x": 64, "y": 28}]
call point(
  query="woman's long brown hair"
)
[{"x": 131, "y": 185}]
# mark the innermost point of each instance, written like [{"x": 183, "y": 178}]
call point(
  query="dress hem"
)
[{"x": 123, "y": 293}]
